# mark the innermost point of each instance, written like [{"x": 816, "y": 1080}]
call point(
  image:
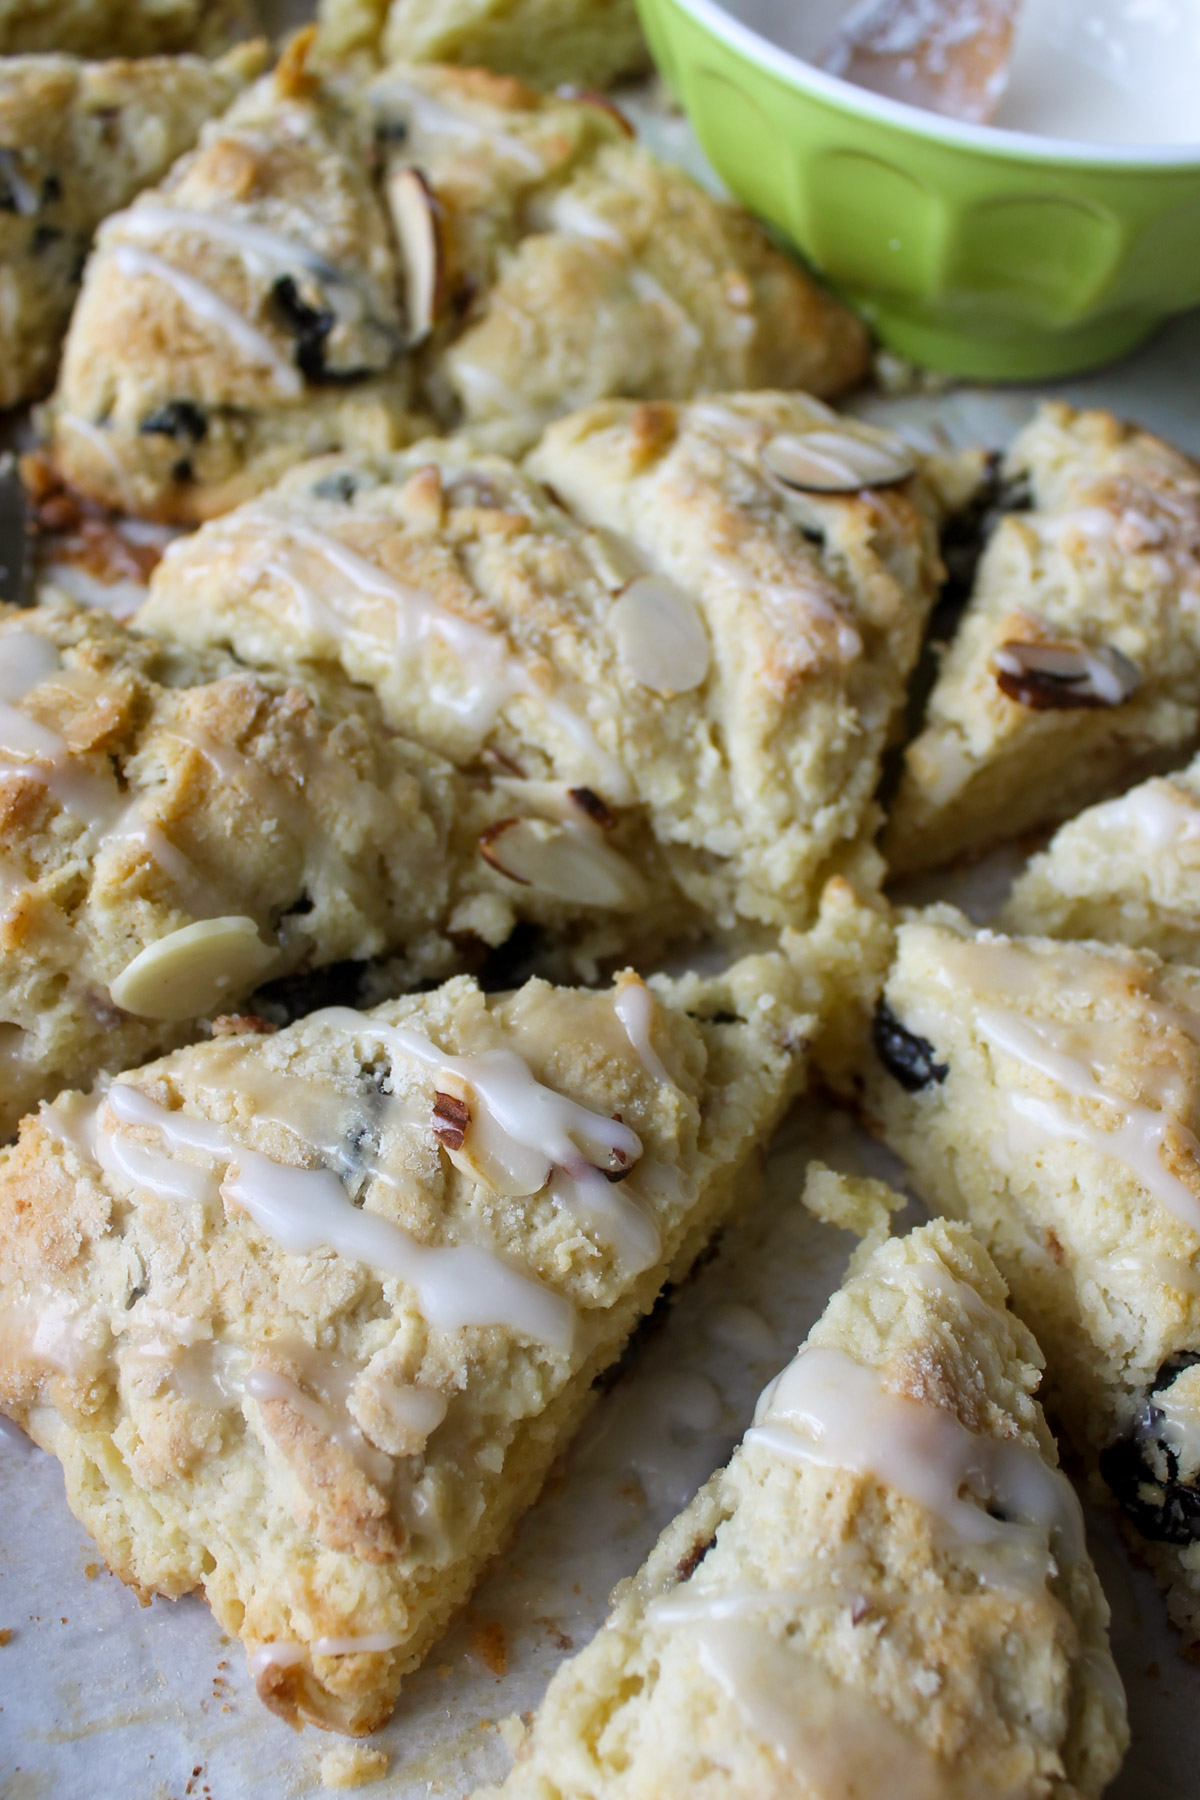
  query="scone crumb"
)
[
  {"x": 352, "y": 1765},
  {"x": 851, "y": 1202},
  {"x": 5, "y": 1637},
  {"x": 490, "y": 1645},
  {"x": 514, "y": 1730}
]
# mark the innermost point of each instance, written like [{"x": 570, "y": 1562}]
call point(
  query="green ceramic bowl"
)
[{"x": 986, "y": 253}]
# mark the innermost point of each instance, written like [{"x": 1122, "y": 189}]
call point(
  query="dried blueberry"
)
[
  {"x": 909, "y": 1058},
  {"x": 1143, "y": 1471},
  {"x": 310, "y": 326},
  {"x": 177, "y": 419},
  {"x": 339, "y": 486}
]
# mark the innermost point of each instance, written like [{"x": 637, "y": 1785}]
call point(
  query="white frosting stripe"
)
[{"x": 206, "y": 304}]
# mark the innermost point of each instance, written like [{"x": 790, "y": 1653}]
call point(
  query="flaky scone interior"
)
[
  {"x": 1076, "y": 665},
  {"x": 886, "y": 1591},
  {"x": 704, "y": 614},
  {"x": 1049, "y": 1093},
  {"x": 306, "y": 1318},
  {"x": 347, "y": 257}
]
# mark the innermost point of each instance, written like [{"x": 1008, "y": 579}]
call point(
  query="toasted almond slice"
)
[
  {"x": 614, "y": 558},
  {"x": 661, "y": 639},
  {"x": 567, "y": 861},
  {"x": 190, "y": 971},
  {"x": 837, "y": 462},
  {"x": 552, "y": 800},
  {"x": 415, "y": 215},
  {"x": 584, "y": 96},
  {"x": 1060, "y": 677}
]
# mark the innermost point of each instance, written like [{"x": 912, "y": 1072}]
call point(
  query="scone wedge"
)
[
  {"x": 716, "y": 655},
  {"x": 78, "y": 141},
  {"x": 345, "y": 254},
  {"x": 1126, "y": 872},
  {"x": 307, "y": 1318},
  {"x": 586, "y": 43},
  {"x": 886, "y": 1591},
  {"x": 1049, "y": 1093},
  {"x": 120, "y": 27},
  {"x": 1076, "y": 664}
]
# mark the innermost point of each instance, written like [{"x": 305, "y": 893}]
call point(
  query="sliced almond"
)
[
  {"x": 661, "y": 639},
  {"x": 1062, "y": 677},
  {"x": 551, "y": 800},
  {"x": 837, "y": 462},
  {"x": 614, "y": 558},
  {"x": 589, "y": 97},
  {"x": 193, "y": 970},
  {"x": 415, "y": 215},
  {"x": 567, "y": 861}
]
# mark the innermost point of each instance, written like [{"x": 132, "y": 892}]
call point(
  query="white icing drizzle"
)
[
  {"x": 27, "y": 661},
  {"x": 281, "y": 1654},
  {"x": 100, "y": 442},
  {"x": 334, "y": 1421},
  {"x": 150, "y": 219},
  {"x": 434, "y": 118},
  {"x": 634, "y": 1006},
  {"x": 1136, "y": 1140},
  {"x": 1180, "y": 1427},
  {"x": 286, "y": 1653},
  {"x": 827, "y": 1409},
  {"x": 208, "y": 305},
  {"x": 1161, "y": 815},
  {"x": 308, "y": 1209}
]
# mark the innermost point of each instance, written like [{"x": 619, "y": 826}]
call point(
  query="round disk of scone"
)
[
  {"x": 1049, "y": 1093},
  {"x": 307, "y": 1318},
  {"x": 78, "y": 141},
  {"x": 585, "y": 43},
  {"x": 120, "y": 27},
  {"x": 830, "y": 1616},
  {"x": 1076, "y": 665},
  {"x": 717, "y": 657}
]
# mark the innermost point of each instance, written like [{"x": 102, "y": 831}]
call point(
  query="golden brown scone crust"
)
[
  {"x": 753, "y": 783},
  {"x": 78, "y": 141},
  {"x": 362, "y": 1499},
  {"x": 1106, "y": 560},
  {"x": 868, "y": 1636},
  {"x": 1049, "y": 1093},
  {"x": 586, "y": 43},
  {"x": 119, "y": 27},
  {"x": 564, "y": 264}
]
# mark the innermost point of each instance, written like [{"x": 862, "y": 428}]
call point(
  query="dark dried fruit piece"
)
[
  {"x": 176, "y": 419},
  {"x": 1062, "y": 677},
  {"x": 1143, "y": 1471},
  {"x": 595, "y": 808},
  {"x": 310, "y": 326},
  {"x": 911, "y": 1059},
  {"x": 451, "y": 1117}
]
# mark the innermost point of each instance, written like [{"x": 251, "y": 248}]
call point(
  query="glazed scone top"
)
[
  {"x": 691, "y": 637},
  {"x": 1078, "y": 656},
  {"x": 846, "y": 1597}
]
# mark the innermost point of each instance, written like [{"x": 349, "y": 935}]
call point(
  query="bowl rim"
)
[{"x": 994, "y": 140}]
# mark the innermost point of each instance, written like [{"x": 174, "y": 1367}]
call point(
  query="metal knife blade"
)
[{"x": 14, "y": 538}]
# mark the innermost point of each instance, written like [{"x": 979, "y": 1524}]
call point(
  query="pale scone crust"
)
[
  {"x": 1107, "y": 558},
  {"x": 78, "y": 141},
  {"x": 569, "y": 265},
  {"x": 1085, "y": 1202},
  {"x": 119, "y": 27},
  {"x": 281, "y": 801},
  {"x": 953, "y": 1685},
  {"x": 291, "y": 1538},
  {"x": 588, "y": 43},
  {"x": 754, "y": 784},
  {"x": 1125, "y": 872}
]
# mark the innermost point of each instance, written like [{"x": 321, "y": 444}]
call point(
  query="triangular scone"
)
[
  {"x": 721, "y": 669},
  {"x": 257, "y": 309},
  {"x": 590, "y": 43},
  {"x": 144, "y": 789},
  {"x": 77, "y": 141},
  {"x": 1050, "y": 1094},
  {"x": 306, "y": 1318},
  {"x": 120, "y": 27},
  {"x": 1077, "y": 661},
  {"x": 887, "y": 1591},
  {"x": 241, "y": 316},
  {"x": 1125, "y": 872}
]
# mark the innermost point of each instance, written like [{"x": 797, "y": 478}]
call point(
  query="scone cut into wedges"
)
[
  {"x": 1126, "y": 872},
  {"x": 78, "y": 141},
  {"x": 121, "y": 27},
  {"x": 655, "y": 609},
  {"x": 1049, "y": 1093},
  {"x": 1075, "y": 669},
  {"x": 306, "y": 1318},
  {"x": 887, "y": 1590},
  {"x": 345, "y": 257},
  {"x": 584, "y": 43}
]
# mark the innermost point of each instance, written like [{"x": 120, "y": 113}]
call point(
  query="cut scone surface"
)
[
  {"x": 1076, "y": 664},
  {"x": 307, "y": 1317},
  {"x": 1049, "y": 1093},
  {"x": 347, "y": 255},
  {"x": 718, "y": 656},
  {"x": 886, "y": 1590}
]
